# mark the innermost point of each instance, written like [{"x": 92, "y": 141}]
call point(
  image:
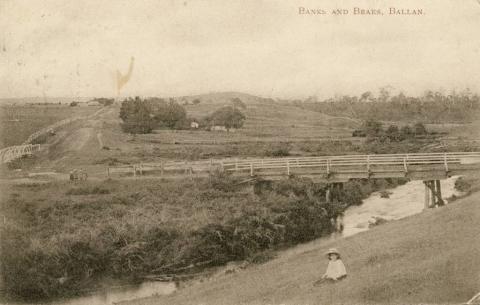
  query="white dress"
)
[{"x": 335, "y": 270}]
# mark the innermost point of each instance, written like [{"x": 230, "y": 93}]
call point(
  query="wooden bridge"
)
[
  {"x": 333, "y": 170},
  {"x": 330, "y": 169}
]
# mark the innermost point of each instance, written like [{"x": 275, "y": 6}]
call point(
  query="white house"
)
[
  {"x": 218, "y": 128},
  {"x": 194, "y": 125}
]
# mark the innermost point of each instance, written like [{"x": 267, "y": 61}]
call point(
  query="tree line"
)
[{"x": 431, "y": 107}]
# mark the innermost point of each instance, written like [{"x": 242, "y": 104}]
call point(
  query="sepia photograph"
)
[{"x": 239, "y": 152}]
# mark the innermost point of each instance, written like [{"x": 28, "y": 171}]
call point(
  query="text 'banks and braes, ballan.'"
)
[{"x": 359, "y": 11}]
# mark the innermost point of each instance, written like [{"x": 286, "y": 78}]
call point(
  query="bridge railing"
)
[
  {"x": 326, "y": 164},
  {"x": 13, "y": 152}
]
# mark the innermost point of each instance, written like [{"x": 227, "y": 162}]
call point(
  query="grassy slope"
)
[{"x": 433, "y": 257}]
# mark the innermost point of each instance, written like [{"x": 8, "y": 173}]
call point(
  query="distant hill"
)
[{"x": 225, "y": 98}]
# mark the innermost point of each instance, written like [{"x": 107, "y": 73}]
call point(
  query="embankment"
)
[
  {"x": 129, "y": 229},
  {"x": 433, "y": 258}
]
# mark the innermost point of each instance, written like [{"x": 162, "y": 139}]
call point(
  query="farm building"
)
[{"x": 218, "y": 128}]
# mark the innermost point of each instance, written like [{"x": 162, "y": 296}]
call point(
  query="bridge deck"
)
[{"x": 328, "y": 168}]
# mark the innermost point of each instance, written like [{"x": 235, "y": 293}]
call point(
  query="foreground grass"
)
[
  {"x": 428, "y": 258},
  {"x": 61, "y": 238}
]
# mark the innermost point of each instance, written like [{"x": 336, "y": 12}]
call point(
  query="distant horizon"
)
[{"x": 320, "y": 98}]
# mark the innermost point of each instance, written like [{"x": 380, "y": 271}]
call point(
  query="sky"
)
[{"x": 74, "y": 48}]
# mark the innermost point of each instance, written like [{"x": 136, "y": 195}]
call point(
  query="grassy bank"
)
[
  {"x": 430, "y": 258},
  {"x": 130, "y": 229}
]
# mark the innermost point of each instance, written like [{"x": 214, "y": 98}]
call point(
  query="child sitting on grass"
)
[{"x": 335, "y": 270}]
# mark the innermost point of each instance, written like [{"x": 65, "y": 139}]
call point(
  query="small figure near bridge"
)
[{"x": 78, "y": 174}]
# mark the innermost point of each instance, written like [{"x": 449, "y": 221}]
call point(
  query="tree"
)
[
  {"x": 420, "y": 129},
  {"x": 238, "y": 103},
  {"x": 393, "y": 133},
  {"x": 170, "y": 114},
  {"x": 373, "y": 128},
  {"x": 229, "y": 117},
  {"x": 406, "y": 132},
  {"x": 136, "y": 116},
  {"x": 196, "y": 101}
]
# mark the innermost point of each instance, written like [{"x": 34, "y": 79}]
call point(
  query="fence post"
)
[
  {"x": 445, "y": 162},
  {"x": 236, "y": 164},
  {"x": 134, "y": 171},
  {"x": 368, "y": 164},
  {"x": 108, "y": 171},
  {"x": 251, "y": 169},
  {"x": 288, "y": 167}
]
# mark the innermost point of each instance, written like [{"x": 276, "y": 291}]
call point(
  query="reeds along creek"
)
[{"x": 132, "y": 229}]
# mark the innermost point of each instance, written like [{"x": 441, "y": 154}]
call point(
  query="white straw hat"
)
[{"x": 333, "y": 251}]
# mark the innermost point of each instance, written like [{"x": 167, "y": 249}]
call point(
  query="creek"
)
[{"x": 403, "y": 201}]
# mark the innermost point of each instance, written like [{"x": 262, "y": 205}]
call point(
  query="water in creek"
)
[{"x": 404, "y": 201}]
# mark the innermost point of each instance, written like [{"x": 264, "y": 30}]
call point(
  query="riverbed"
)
[{"x": 404, "y": 200}]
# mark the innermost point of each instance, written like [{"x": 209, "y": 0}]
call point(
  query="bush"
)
[
  {"x": 278, "y": 150},
  {"x": 222, "y": 181},
  {"x": 88, "y": 191},
  {"x": 463, "y": 185},
  {"x": 419, "y": 129}
]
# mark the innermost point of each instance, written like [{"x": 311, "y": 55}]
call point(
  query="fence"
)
[{"x": 13, "y": 152}]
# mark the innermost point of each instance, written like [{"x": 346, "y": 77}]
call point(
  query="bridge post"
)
[
  {"x": 328, "y": 194},
  {"x": 427, "y": 195},
  {"x": 438, "y": 193},
  {"x": 433, "y": 194}
]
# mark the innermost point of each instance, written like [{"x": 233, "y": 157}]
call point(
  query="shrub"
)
[
  {"x": 222, "y": 181},
  {"x": 96, "y": 190},
  {"x": 278, "y": 150},
  {"x": 463, "y": 185}
]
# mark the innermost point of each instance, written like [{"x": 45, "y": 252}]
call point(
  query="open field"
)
[
  {"x": 431, "y": 258},
  {"x": 272, "y": 129},
  {"x": 19, "y": 122}
]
